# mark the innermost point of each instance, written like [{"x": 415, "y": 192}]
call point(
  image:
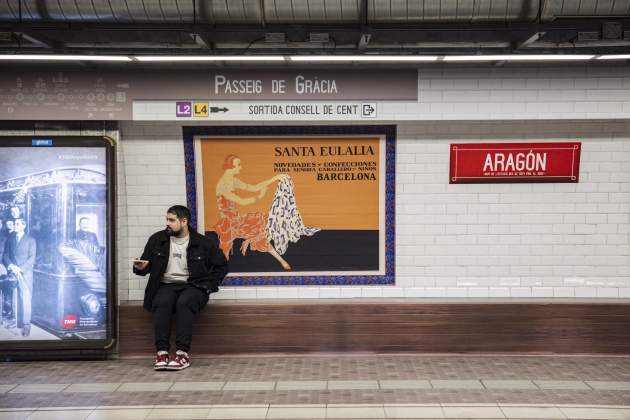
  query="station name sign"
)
[
  {"x": 514, "y": 162},
  {"x": 314, "y": 84},
  {"x": 98, "y": 94},
  {"x": 300, "y": 85}
]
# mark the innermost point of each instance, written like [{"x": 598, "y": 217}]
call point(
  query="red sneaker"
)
[
  {"x": 161, "y": 360},
  {"x": 181, "y": 361}
]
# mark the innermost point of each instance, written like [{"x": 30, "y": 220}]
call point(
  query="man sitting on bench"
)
[{"x": 185, "y": 267}]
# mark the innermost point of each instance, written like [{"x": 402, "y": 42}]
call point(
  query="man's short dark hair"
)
[{"x": 181, "y": 212}]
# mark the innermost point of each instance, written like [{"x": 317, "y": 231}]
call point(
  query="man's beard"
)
[{"x": 171, "y": 232}]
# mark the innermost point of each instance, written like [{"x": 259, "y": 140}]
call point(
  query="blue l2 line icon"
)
[{"x": 368, "y": 110}]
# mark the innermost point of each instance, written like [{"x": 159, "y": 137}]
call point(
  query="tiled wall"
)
[
  {"x": 523, "y": 91},
  {"x": 464, "y": 241},
  {"x": 468, "y": 241}
]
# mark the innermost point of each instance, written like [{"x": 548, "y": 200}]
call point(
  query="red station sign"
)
[{"x": 514, "y": 162}]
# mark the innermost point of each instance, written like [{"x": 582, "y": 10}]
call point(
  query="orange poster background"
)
[{"x": 338, "y": 205}]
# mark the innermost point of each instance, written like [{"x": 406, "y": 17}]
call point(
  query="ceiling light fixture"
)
[
  {"x": 366, "y": 58},
  {"x": 189, "y": 58},
  {"x": 614, "y": 57},
  {"x": 519, "y": 57},
  {"x": 61, "y": 57}
]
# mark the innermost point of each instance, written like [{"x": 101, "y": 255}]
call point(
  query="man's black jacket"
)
[{"x": 207, "y": 265}]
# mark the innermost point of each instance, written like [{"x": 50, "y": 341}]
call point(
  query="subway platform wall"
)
[
  {"x": 452, "y": 241},
  {"x": 499, "y": 241}
]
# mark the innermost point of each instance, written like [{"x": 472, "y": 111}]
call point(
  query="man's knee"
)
[
  {"x": 163, "y": 301},
  {"x": 194, "y": 300}
]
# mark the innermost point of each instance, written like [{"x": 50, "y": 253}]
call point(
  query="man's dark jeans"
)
[{"x": 182, "y": 300}]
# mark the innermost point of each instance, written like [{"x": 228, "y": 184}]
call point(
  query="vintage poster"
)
[{"x": 307, "y": 209}]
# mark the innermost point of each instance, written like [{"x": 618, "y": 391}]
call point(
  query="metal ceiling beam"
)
[
  {"x": 535, "y": 37},
  {"x": 589, "y": 23},
  {"x": 39, "y": 40},
  {"x": 514, "y": 34}
]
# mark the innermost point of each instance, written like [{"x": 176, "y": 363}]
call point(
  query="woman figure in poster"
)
[{"x": 251, "y": 227}]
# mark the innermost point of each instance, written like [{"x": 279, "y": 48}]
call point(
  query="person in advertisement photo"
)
[
  {"x": 5, "y": 302},
  {"x": 19, "y": 259},
  {"x": 184, "y": 267},
  {"x": 53, "y": 203},
  {"x": 84, "y": 233}
]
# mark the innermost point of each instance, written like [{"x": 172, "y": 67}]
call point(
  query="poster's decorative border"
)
[{"x": 389, "y": 131}]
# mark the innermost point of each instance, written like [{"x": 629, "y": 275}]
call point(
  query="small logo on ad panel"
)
[{"x": 68, "y": 322}]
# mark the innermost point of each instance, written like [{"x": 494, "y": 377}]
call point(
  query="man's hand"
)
[{"x": 140, "y": 264}]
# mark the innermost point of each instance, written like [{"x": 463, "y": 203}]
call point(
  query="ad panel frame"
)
[{"x": 32, "y": 347}]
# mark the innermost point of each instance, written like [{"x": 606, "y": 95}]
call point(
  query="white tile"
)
[
  {"x": 393, "y": 292},
  {"x": 252, "y": 385},
  {"x": 61, "y": 414},
  {"x": 300, "y": 385},
  {"x": 405, "y": 384},
  {"x": 562, "y": 385},
  {"x": 296, "y": 412},
  {"x": 532, "y": 412},
  {"x": 266, "y": 293},
  {"x": 224, "y": 293},
  {"x": 330, "y": 292},
  {"x": 508, "y": 384},
  {"x": 144, "y": 386},
  {"x": 6, "y": 388},
  {"x": 246, "y": 293},
  {"x": 609, "y": 385},
  {"x": 179, "y": 413},
  {"x": 197, "y": 386},
  {"x": 352, "y": 384},
  {"x": 409, "y": 411},
  {"x": 473, "y": 412},
  {"x": 347, "y": 411},
  {"x": 120, "y": 414},
  {"x": 287, "y": 292},
  {"x": 350, "y": 292},
  {"x": 240, "y": 412},
  {"x": 595, "y": 413},
  {"x": 37, "y": 388},
  {"x": 308, "y": 292},
  {"x": 456, "y": 384},
  {"x": 92, "y": 387},
  {"x": 14, "y": 415},
  {"x": 54, "y": 408}
]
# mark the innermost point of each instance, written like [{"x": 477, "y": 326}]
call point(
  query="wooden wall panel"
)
[{"x": 382, "y": 327}]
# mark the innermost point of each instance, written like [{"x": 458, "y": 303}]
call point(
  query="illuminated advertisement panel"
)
[{"x": 56, "y": 284}]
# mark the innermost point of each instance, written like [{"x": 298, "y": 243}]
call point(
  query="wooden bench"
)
[{"x": 395, "y": 325}]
